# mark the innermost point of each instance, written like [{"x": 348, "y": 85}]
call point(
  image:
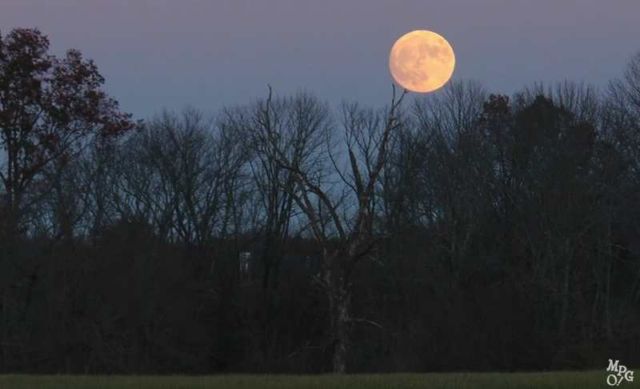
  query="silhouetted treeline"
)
[{"x": 457, "y": 231}]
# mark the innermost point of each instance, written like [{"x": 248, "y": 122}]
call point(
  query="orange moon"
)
[{"x": 422, "y": 61}]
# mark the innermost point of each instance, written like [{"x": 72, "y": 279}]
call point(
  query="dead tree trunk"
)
[
  {"x": 339, "y": 297},
  {"x": 345, "y": 236}
]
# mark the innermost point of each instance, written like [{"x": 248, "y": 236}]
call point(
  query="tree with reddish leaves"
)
[{"x": 50, "y": 108}]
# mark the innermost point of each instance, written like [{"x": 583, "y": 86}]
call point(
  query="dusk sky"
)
[{"x": 210, "y": 53}]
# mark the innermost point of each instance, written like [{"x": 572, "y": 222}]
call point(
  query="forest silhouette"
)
[{"x": 458, "y": 231}]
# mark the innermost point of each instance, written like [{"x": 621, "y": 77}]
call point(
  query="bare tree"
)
[
  {"x": 178, "y": 174},
  {"x": 581, "y": 99},
  {"x": 622, "y": 114},
  {"x": 345, "y": 236},
  {"x": 297, "y": 125}
]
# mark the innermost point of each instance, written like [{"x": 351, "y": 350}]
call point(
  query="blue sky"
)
[{"x": 209, "y": 53}]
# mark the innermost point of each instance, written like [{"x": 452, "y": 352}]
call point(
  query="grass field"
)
[{"x": 564, "y": 380}]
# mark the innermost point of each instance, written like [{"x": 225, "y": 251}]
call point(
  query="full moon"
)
[{"x": 422, "y": 61}]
